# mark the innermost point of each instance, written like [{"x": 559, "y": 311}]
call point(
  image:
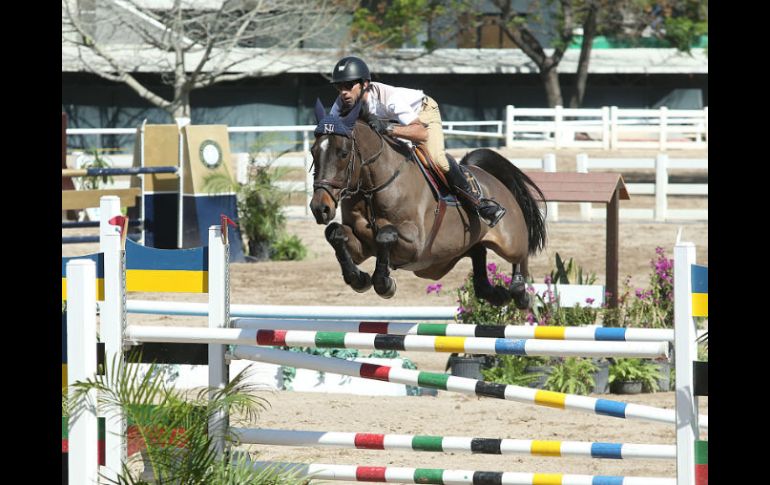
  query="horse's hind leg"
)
[
  {"x": 518, "y": 288},
  {"x": 357, "y": 279},
  {"x": 496, "y": 295},
  {"x": 384, "y": 285}
]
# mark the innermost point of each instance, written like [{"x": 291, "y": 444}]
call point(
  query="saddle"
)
[{"x": 437, "y": 180}]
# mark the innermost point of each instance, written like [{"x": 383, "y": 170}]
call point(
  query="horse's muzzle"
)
[{"x": 322, "y": 207}]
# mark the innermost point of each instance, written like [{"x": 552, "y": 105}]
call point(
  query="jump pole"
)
[
  {"x": 418, "y": 343},
  {"x": 452, "y": 444},
  {"x": 544, "y": 332},
  {"x": 319, "y": 471}
]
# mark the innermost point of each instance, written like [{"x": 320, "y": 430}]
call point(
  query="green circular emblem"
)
[{"x": 210, "y": 154}]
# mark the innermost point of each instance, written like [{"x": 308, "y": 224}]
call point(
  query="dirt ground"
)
[{"x": 317, "y": 281}]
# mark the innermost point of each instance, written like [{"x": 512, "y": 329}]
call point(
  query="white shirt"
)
[{"x": 390, "y": 103}]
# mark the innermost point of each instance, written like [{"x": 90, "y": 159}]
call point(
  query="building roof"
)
[{"x": 415, "y": 61}]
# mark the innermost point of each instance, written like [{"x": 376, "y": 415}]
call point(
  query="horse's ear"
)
[
  {"x": 350, "y": 119},
  {"x": 320, "y": 112}
]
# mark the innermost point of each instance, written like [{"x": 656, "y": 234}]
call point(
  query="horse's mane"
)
[{"x": 400, "y": 147}]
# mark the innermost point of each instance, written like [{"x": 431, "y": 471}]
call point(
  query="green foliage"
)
[
  {"x": 174, "y": 426},
  {"x": 289, "y": 248},
  {"x": 635, "y": 370},
  {"x": 475, "y": 310},
  {"x": 651, "y": 307},
  {"x": 570, "y": 273},
  {"x": 289, "y": 373},
  {"x": 512, "y": 369},
  {"x": 260, "y": 203},
  {"x": 395, "y": 23},
  {"x": 93, "y": 183},
  {"x": 574, "y": 375}
]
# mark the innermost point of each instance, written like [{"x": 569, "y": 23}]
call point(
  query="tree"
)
[
  {"x": 192, "y": 43},
  {"x": 676, "y": 21}
]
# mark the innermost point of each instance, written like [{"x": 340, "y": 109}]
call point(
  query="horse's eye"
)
[{"x": 344, "y": 153}]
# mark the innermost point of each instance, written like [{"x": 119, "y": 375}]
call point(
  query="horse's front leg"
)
[
  {"x": 341, "y": 238},
  {"x": 384, "y": 285}
]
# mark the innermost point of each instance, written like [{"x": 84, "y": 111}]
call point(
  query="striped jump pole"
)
[
  {"x": 419, "y": 343},
  {"x": 438, "y": 476},
  {"x": 314, "y": 312},
  {"x": 117, "y": 172},
  {"x": 453, "y": 444},
  {"x": 463, "y": 385},
  {"x": 542, "y": 332}
]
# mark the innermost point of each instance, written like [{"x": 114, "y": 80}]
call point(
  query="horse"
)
[{"x": 389, "y": 211}]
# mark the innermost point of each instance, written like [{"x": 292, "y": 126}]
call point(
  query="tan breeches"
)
[{"x": 431, "y": 116}]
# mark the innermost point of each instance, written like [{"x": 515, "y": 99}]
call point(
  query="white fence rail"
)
[
  {"x": 661, "y": 189},
  {"x": 604, "y": 128}
]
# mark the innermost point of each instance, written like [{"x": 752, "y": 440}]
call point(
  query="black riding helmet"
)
[{"x": 350, "y": 69}]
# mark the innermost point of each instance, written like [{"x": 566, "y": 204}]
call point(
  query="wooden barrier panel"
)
[{"x": 84, "y": 199}]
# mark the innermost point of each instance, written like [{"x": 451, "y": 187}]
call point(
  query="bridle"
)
[{"x": 345, "y": 188}]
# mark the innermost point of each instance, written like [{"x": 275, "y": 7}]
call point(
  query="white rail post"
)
[
  {"x": 142, "y": 183},
  {"x": 663, "y": 127},
  {"x": 509, "y": 126},
  {"x": 549, "y": 165},
  {"x": 181, "y": 123},
  {"x": 83, "y": 467},
  {"x": 685, "y": 353},
  {"x": 219, "y": 317},
  {"x": 605, "y": 128},
  {"x": 661, "y": 187},
  {"x": 581, "y": 163},
  {"x": 109, "y": 207},
  {"x": 557, "y": 132},
  {"x": 112, "y": 328},
  {"x": 613, "y": 127},
  {"x": 308, "y": 175},
  {"x": 242, "y": 170}
]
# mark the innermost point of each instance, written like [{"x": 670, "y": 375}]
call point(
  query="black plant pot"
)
[
  {"x": 259, "y": 250},
  {"x": 664, "y": 381},
  {"x": 626, "y": 387},
  {"x": 602, "y": 377},
  {"x": 466, "y": 366},
  {"x": 544, "y": 371}
]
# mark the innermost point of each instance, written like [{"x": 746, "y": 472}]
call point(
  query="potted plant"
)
[
  {"x": 573, "y": 375},
  {"x": 512, "y": 369},
  {"x": 632, "y": 376}
]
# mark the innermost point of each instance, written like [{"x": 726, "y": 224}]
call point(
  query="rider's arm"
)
[{"x": 415, "y": 131}]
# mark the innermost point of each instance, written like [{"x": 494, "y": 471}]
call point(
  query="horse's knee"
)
[
  {"x": 387, "y": 235},
  {"x": 335, "y": 233}
]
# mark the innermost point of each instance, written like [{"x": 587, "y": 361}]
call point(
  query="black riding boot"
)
[{"x": 488, "y": 210}]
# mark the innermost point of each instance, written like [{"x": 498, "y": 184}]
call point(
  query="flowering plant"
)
[{"x": 652, "y": 307}]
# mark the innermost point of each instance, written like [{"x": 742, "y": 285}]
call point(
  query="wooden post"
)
[
  {"x": 66, "y": 183},
  {"x": 613, "y": 248}
]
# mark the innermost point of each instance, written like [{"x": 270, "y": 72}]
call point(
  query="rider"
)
[{"x": 418, "y": 120}]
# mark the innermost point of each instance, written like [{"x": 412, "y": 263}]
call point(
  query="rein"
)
[{"x": 345, "y": 188}]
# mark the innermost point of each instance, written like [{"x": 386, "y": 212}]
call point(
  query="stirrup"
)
[{"x": 487, "y": 204}]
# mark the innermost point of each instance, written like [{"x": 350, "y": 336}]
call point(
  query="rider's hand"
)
[{"x": 381, "y": 126}]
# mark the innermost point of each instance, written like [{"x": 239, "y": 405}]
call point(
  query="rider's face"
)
[{"x": 350, "y": 92}]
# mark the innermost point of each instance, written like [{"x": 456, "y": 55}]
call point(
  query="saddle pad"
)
[{"x": 437, "y": 180}]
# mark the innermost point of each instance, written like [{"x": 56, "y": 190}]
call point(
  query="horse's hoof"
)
[
  {"x": 497, "y": 296},
  {"x": 386, "y": 289},
  {"x": 522, "y": 301},
  {"x": 360, "y": 283}
]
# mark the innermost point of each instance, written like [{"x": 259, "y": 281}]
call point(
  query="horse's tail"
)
[{"x": 519, "y": 185}]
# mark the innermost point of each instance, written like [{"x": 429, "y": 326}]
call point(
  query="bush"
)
[
  {"x": 574, "y": 375},
  {"x": 635, "y": 370},
  {"x": 288, "y": 248},
  {"x": 512, "y": 369}
]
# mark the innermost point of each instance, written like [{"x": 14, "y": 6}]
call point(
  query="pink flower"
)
[{"x": 492, "y": 267}]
